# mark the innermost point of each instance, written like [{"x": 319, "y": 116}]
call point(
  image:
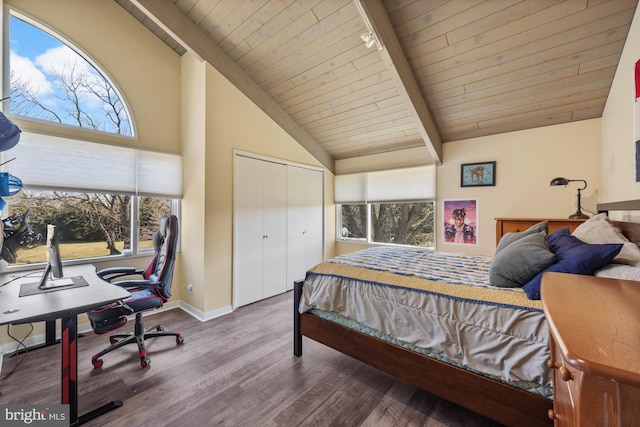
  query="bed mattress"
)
[{"x": 437, "y": 303}]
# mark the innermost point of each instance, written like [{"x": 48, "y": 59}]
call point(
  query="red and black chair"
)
[{"x": 149, "y": 292}]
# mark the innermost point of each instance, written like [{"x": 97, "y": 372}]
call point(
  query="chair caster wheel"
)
[
  {"x": 97, "y": 363},
  {"x": 179, "y": 340},
  {"x": 145, "y": 362},
  {"x": 160, "y": 329}
]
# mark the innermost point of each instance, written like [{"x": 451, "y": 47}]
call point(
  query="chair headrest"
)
[{"x": 164, "y": 225}]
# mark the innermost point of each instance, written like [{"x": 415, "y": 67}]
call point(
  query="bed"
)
[{"x": 393, "y": 309}]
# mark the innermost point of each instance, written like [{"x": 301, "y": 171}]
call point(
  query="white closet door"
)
[
  {"x": 274, "y": 182},
  {"x": 296, "y": 224},
  {"x": 314, "y": 231},
  {"x": 304, "y": 221},
  {"x": 248, "y": 230}
]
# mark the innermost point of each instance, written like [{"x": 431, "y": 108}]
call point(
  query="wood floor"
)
[{"x": 236, "y": 370}]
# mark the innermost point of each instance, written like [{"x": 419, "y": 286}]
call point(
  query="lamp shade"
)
[{"x": 559, "y": 181}]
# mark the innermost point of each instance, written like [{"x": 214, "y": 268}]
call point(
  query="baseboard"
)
[{"x": 202, "y": 316}]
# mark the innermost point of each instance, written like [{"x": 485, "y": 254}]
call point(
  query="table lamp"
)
[{"x": 565, "y": 182}]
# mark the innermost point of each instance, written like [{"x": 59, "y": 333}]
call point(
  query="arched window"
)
[
  {"x": 105, "y": 199},
  {"x": 51, "y": 80}
]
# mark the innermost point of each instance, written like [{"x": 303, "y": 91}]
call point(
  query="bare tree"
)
[
  {"x": 79, "y": 215},
  {"x": 400, "y": 223},
  {"x": 78, "y": 87},
  {"x": 25, "y": 101}
]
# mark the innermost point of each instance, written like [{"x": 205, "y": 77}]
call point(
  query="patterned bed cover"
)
[{"x": 440, "y": 304}]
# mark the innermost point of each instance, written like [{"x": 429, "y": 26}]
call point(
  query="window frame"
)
[{"x": 368, "y": 240}]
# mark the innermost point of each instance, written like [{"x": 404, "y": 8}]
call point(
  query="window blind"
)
[
  {"x": 394, "y": 185},
  {"x": 54, "y": 162},
  {"x": 350, "y": 188}
]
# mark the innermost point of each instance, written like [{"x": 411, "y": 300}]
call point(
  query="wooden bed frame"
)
[{"x": 496, "y": 400}]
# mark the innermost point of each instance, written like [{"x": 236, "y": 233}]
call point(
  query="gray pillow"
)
[
  {"x": 521, "y": 261},
  {"x": 509, "y": 238}
]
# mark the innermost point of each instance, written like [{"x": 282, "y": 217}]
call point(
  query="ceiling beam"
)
[
  {"x": 167, "y": 15},
  {"x": 375, "y": 15}
]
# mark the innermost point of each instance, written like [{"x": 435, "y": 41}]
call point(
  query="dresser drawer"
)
[
  {"x": 515, "y": 225},
  {"x": 564, "y": 391}
]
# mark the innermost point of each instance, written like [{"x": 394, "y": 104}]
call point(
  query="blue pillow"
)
[{"x": 573, "y": 256}]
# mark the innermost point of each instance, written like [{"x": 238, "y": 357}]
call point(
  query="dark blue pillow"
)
[{"x": 573, "y": 256}]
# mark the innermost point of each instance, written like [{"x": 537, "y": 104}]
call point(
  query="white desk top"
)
[{"x": 62, "y": 302}]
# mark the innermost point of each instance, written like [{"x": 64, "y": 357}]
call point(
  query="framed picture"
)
[
  {"x": 478, "y": 174},
  {"x": 460, "y": 221}
]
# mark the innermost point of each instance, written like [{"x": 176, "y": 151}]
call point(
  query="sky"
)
[{"x": 29, "y": 45}]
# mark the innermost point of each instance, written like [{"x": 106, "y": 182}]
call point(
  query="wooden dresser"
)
[
  {"x": 510, "y": 225},
  {"x": 594, "y": 325}
]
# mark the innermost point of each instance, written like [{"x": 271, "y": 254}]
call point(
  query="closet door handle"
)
[{"x": 265, "y": 236}]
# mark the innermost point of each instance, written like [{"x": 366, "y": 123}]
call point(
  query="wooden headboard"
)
[{"x": 631, "y": 230}]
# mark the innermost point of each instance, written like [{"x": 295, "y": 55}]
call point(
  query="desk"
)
[{"x": 63, "y": 304}]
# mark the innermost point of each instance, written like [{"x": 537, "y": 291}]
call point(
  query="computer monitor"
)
[{"x": 53, "y": 276}]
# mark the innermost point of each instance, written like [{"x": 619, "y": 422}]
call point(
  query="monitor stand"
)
[
  {"x": 51, "y": 283},
  {"x": 48, "y": 282}
]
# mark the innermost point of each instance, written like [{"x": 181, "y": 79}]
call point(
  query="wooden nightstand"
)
[
  {"x": 512, "y": 225},
  {"x": 594, "y": 325}
]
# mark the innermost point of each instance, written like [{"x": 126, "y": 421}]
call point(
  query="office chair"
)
[{"x": 150, "y": 292}]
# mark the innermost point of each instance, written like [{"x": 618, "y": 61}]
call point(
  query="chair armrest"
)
[
  {"x": 140, "y": 284},
  {"x": 109, "y": 274}
]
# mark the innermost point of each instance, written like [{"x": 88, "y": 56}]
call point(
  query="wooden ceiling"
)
[{"x": 448, "y": 70}]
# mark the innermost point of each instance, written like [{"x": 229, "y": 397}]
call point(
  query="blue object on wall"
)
[{"x": 9, "y": 133}]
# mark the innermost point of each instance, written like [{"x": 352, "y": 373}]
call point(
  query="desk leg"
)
[{"x": 69, "y": 340}]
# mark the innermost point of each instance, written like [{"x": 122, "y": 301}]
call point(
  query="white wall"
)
[{"x": 618, "y": 147}]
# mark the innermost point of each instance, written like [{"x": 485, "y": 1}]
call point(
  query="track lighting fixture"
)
[{"x": 369, "y": 39}]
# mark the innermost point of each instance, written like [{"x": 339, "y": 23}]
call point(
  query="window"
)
[
  {"x": 50, "y": 80},
  {"x": 402, "y": 223},
  {"x": 90, "y": 225},
  {"x": 391, "y": 207},
  {"x": 353, "y": 221}
]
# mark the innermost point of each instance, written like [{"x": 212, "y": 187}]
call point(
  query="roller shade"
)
[
  {"x": 395, "y": 185},
  {"x": 54, "y": 162}
]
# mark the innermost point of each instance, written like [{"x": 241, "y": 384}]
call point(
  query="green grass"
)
[{"x": 70, "y": 251}]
